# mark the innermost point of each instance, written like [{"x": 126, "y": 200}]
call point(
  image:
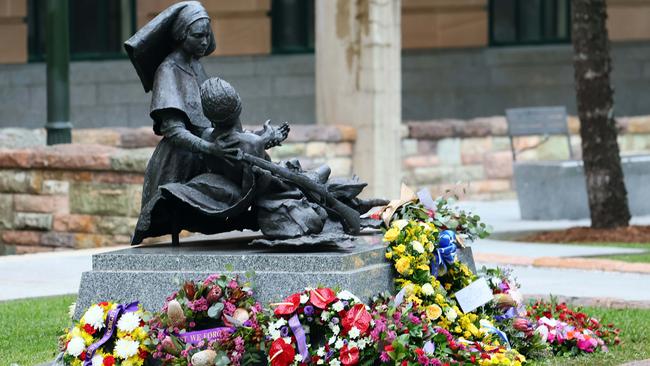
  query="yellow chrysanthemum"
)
[
  {"x": 389, "y": 255},
  {"x": 402, "y": 265},
  {"x": 391, "y": 234},
  {"x": 399, "y": 249}
]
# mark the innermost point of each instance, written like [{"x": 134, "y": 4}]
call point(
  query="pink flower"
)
[
  {"x": 233, "y": 284},
  {"x": 211, "y": 278},
  {"x": 198, "y": 305},
  {"x": 384, "y": 357}
]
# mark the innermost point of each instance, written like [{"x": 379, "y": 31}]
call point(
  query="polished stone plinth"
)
[{"x": 149, "y": 273}]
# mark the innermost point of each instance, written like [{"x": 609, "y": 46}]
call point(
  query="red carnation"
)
[
  {"x": 288, "y": 306},
  {"x": 109, "y": 360},
  {"x": 143, "y": 354},
  {"x": 82, "y": 356},
  {"x": 89, "y": 329},
  {"x": 349, "y": 356},
  {"x": 357, "y": 317},
  {"x": 389, "y": 348},
  {"x": 281, "y": 353},
  {"x": 321, "y": 297}
]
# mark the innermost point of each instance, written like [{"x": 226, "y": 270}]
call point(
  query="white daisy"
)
[
  {"x": 97, "y": 360},
  {"x": 75, "y": 346},
  {"x": 128, "y": 322},
  {"x": 125, "y": 348},
  {"x": 95, "y": 317}
]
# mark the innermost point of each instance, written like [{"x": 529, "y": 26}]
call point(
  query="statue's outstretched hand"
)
[
  {"x": 273, "y": 136},
  {"x": 223, "y": 148}
]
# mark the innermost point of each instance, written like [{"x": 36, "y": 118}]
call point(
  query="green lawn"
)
[{"x": 29, "y": 329}]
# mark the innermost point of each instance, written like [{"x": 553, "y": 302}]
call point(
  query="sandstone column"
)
[{"x": 358, "y": 83}]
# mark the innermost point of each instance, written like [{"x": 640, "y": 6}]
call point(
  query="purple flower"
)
[
  {"x": 284, "y": 331},
  {"x": 335, "y": 320},
  {"x": 309, "y": 310}
]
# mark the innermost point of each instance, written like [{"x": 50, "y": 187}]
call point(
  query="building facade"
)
[{"x": 461, "y": 58}]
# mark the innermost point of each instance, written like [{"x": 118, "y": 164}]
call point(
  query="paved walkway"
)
[{"x": 46, "y": 274}]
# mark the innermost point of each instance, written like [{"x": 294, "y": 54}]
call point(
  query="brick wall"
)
[
  {"x": 87, "y": 194},
  {"x": 475, "y": 155}
]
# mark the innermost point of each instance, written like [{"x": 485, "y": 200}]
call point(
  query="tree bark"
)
[{"x": 608, "y": 203}]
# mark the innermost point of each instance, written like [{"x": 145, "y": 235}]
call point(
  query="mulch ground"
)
[{"x": 630, "y": 234}]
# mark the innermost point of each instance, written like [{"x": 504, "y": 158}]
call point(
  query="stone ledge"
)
[{"x": 498, "y": 126}]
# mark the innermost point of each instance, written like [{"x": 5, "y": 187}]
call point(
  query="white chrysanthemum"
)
[
  {"x": 427, "y": 289},
  {"x": 97, "y": 360},
  {"x": 274, "y": 333},
  {"x": 76, "y": 346},
  {"x": 325, "y": 316},
  {"x": 331, "y": 340},
  {"x": 347, "y": 295},
  {"x": 335, "y": 362},
  {"x": 320, "y": 362},
  {"x": 321, "y": 352},
  {"x": 354, "y": 332},
  {"x": 297, "y": 358},
  {"x": 335, "y": 328},
  {"x": 417, "y": 246},
  {"x": 95, "y": 317},
  {"x": 304, "y": 298},
  {"x": 125, "y": 348},
  {"x": 280, "y": 323},
  {"x": 338, "y": 306},
  {"x": 451, "y": 314},
  {"x": 128, "y": 322},
  {"x": 363, "y": 342},
  {"x": 339, "y": 344},
  {"x": 352, "y": 344}
]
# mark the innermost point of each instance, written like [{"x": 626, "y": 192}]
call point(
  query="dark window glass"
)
[
  {"x": 97, "y": 28},
  {"x": 521, "y": 22},
  {"x": 292, "y": 26}
]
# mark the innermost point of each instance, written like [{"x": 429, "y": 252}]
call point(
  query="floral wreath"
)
[
  {"x": 108, "y": 334},
  {"x": 338, "y": 324},
  {"x": 216, "y": 321}
]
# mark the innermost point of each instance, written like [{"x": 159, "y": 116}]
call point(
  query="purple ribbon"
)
[
  {"x": 445, "y": 253},
  {"x": 301, "y": 339},
  {"x": 207, "y": 334},
  {"x": 111, "y": 322}
]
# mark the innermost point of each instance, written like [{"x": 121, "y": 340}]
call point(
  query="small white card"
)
[{"x": 476, "y": 294}]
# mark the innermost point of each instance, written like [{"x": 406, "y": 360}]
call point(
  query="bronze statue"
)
[{"x": 207, "y": 174}]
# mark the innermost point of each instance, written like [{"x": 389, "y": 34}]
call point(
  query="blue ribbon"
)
[
  {"x": 111, "y": 322},
  {"x": 301, "y": 338},
  {"x": 509, "y": 314},
  {"x": 492, "y": 329},
  {"x": 445, "y": 254}
]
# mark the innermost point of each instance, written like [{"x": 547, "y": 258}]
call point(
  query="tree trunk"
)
[{"x": 602, "y": 162}]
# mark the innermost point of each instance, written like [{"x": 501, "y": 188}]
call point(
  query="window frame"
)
[
  {"x": 494, "y": 43},
  {"x": 34, "y": 31}
]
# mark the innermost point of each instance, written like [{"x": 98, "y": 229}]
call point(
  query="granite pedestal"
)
[{"x": 149, "y": 273}]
